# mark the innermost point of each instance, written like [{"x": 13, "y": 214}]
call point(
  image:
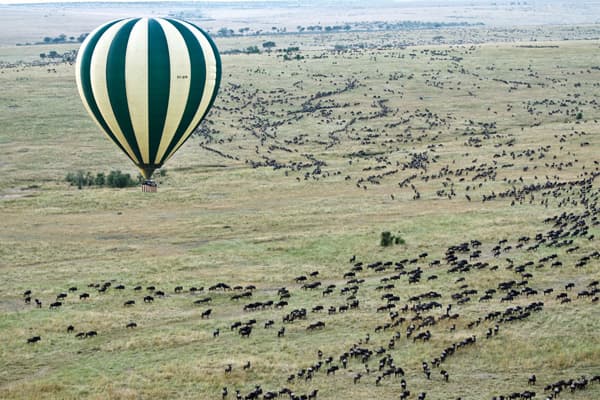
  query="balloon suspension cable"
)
[
  {"x": 147, "y": 171},
  {"x": 148, "y": 185}
]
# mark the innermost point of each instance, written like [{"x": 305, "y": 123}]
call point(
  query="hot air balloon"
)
[{"x": 148, "y": 83}]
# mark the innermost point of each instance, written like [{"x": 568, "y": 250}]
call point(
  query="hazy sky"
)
[
  {"x": 213, "y": 1},
  {"x": 120, "y": 1},
  {"x": 106, "y": 1}
]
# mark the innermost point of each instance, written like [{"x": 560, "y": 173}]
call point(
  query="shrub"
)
[
  {"x": 387, "y": 239},
  {"x": 100, "y": 179},
  {"x": 252, "y": 50},
  {"x": 115, "y": 179},
  {"x": 80, "y": 179}
]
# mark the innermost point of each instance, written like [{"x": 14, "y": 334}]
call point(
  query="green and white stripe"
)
[{"x": 148, "y": 83}]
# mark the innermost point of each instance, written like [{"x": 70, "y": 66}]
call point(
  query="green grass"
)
[{"x": 219, "y": 220}]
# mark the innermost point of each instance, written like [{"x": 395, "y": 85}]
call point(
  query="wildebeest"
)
[
  {"x": 34, "y": 339},
  {"x": 55, "y": 305},
  {"x": 316, "y": 325},
  {"x": 245, "y": 331},
  {"x": 203, "y": 300}
]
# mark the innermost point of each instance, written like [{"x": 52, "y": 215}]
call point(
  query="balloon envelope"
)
[{"x": 148, "y": 83}]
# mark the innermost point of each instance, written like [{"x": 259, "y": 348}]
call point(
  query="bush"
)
[
  {"x": 100, "y": 179},
  {"x": 115, "y": 179},
  {"x": 387, "y": 239},
  {"x": 80, "y": 179},
  {"x": 252, "y": 50}
]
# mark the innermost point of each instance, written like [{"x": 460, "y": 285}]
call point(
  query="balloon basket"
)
[{"x": 149, "y": 186}]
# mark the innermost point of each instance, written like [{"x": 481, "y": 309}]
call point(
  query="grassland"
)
[{"x": 300, "y": 166}]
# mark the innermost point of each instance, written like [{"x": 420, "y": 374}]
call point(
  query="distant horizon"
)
[
  {"x": 17, "y": 2},
  {"x": 127, "y": 1},
  {"x": 428, "y": 3},
  {"x": 7, "y": 2},
  {"x": 154, "y": 1}
]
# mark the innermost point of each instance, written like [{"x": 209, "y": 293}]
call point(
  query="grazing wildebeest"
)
[
  {"x": 245, "y": 331},
  {"x": 202, "y": 301},
  {"x": 316, "y": 325},
  {"x": 34, "y": 339},
  {"x": 332, "y": 369},
  {"x": 56, "y": 304},
  {"x": 444, "y": 373}
]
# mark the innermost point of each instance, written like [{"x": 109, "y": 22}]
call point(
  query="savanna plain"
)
[{"x": 374, "y": 208}]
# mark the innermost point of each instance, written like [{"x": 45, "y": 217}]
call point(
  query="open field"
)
[{"x": 482, "y": 157}]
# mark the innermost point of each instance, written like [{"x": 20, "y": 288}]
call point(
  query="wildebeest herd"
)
[
  {"x": 400, "y": 317},
  {"x": 399, "y": 324}
]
